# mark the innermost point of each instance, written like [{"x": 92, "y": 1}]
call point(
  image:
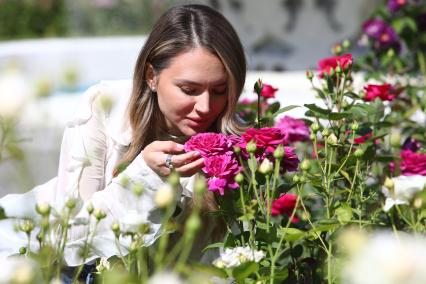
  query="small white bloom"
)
[
  {"x": 386, "y": 259},
  {"x": 233, "y": 257},
  {"x": 103, "y": 265},
  {"x": 18, "y": 270},
  {"x": 405, "y": 187},
  {"x": 266, "y": 166},
  {"x": 14, "y": 92},
  {"x": 164, "y": 196},
  {"x": 165, "y": 277},
  {"x": 133, "y": 220}
]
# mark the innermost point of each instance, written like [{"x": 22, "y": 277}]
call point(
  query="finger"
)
[
  {"x": 184, "y": 159},
  {"x": 167, "y": 147},
  {"x": 191, "y": 168}
]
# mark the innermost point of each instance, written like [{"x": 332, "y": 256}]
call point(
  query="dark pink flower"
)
[
  {"x": 285, "y": 204},
  {"x": 220, "y": 171},
  {"x": 362, "y": 139},
  {"x": 294, "y": 129},
  {"x": 413, "y": 163},
  {"x": 208, "y": 144},
  {"x": 268, "y": 91},
  {"x": 290, "y": 161},
  {"x": 384, "y": 92},
  {"x": 267, "y": 139},
  {"x": 326, "y": 64}
]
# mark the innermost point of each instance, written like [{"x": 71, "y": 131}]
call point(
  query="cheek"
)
[
  {"x": 219, "y": 105},
  {"x": 174, "y": 106}
]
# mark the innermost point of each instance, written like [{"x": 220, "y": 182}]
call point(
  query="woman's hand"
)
[{"x": 186, "y": 164}]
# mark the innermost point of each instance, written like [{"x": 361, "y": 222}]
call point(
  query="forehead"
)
[{"x": 197, "y": 65}]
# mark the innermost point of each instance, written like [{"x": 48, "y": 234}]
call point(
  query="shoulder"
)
[{"x": 106, "y": 101}]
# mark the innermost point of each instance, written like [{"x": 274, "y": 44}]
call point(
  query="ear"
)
[{"x": 151, "y": 78}]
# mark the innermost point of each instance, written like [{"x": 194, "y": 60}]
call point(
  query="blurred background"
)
[{"x": 52, "y": 50}]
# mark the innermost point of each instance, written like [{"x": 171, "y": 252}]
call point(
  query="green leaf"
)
[
  {"x": 344, "y": 213},
  {"x": 2, "y": 214},
  {"x": 273, "y": 108},
  {"x": 352, "y": 95},
  {"x": 245, "y": 270},
  {"x": 282, "y": 274},
  {"x": 213, "y": 246},
  {"x": 406, "y": 22},
  {"x": 326, "y": 225},
  {"x": 291, "y": 234},
  {"x": 338, "y": 115},
  {"x": 317, "y": 109},
  {"x": 320, "y": 93},
  {"x": 284, "y": 109}
]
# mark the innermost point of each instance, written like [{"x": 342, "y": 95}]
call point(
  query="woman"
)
[{"x": 187, "y": 80}]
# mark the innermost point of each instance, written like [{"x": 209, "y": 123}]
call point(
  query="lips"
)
[{"x": 199, "y": 122}]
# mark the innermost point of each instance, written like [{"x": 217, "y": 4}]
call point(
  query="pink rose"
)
[
  {"x": 285, "y": 204},
  {"x": 413, "y": 163},
  {"x": 384, "y": 92},
  {"x": 294, "y": 129},
  {"x": 267, "y": 139},
  {"x": 326, "y": 64},
  {"x": 208, "y": 144},
  {"x": 268, "y": 91},
  {"x": 220, "y": 171}
]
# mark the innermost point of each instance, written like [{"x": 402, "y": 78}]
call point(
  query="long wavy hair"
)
[{"x": 178, "y": 30}]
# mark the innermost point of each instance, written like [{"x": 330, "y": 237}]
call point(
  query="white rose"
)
[
  {"x": 405, "y": 187},
  {"x": 387, "y": 259}
]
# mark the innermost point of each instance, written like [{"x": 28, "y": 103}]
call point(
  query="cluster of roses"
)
[
  {"x": 385, "y": 92},
  {"x": 221, "y": 163}
]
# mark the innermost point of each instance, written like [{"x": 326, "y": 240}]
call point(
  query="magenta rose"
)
[
  {"x": 285, "y": 204},
  {"x": 268, "y": 91},
  {"x": 413, "y": 163},
  {"x": 208, "y": 144},
  {"x": 384, "y": 92},
  {"x": 326, "y": 64},
  {"x": 267, "y": 139},
  {"x": 294, "y": 129},
  {"x": 220, "y": 171}
]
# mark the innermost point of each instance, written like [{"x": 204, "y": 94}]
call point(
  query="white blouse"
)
[{"x": 94, "y": 140}]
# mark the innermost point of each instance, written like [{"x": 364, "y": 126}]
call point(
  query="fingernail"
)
[{"x": 195, "y": 154}]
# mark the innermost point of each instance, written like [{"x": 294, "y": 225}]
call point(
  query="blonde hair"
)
[{"x": 178, "y": 30}]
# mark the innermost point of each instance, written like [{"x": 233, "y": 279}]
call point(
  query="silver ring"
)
[{"x": 169, "y": 162}]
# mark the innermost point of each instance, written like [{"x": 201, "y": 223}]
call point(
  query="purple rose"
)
[
  {"x": 413, "y": 163},
  {"x": 208, "y": 144},
  {"x": 395, "y": 5},
  {"x": 411, "y": 144},
  {"x": 294, "y": 129},
  {"x": 382, "y": 34},
  {"x": 220, "y": 171}
]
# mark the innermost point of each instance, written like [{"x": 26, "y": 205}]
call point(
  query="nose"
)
[{"x": 202, "y": 104}]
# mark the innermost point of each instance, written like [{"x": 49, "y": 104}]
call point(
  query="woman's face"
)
[{"x": 192, "y": 92}]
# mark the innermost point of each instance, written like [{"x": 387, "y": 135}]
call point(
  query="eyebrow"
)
[{"x": 189, "y": 82}]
